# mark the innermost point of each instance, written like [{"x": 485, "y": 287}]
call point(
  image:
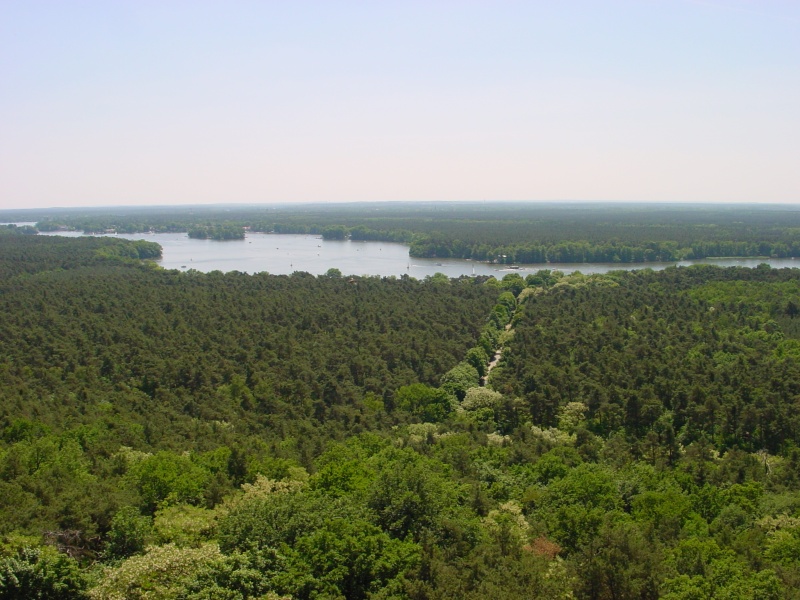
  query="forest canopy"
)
[{"x": 170, "y": 434}]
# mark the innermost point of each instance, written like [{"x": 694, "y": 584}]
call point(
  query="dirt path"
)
[{"x": 493, "y": 363}]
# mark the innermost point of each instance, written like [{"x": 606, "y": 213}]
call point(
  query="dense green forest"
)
[
  {"x": 508, "y": 233},
  {"x": 220, "y": 232},
  {"x": 228, "y": 436},
  {"x": 30, "y": 254}
]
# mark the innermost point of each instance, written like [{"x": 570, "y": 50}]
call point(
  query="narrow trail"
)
[{"x": 493, "y": 363}]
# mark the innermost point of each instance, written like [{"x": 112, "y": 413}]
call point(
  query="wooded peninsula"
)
[{"x": 181, "y": 435}]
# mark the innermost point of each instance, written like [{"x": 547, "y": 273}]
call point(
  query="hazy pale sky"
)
[{"x": 166, "y": 102}]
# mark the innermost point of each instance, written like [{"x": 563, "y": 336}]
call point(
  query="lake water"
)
[{"x": 285, "y": 254}]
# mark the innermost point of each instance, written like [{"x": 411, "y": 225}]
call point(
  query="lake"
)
[{"x": 285, "y": 254}]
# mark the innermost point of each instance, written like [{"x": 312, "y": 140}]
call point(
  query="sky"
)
[{"x": 166, "y": 102}]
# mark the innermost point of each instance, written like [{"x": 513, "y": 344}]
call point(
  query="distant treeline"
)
[
  {"x": 497, "y": 232},
  {"x": 216, "y": 231},
  {"x": 341, "y": 232},
  {"x": 596, "y": 252}
]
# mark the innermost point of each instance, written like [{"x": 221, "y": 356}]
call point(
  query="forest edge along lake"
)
[{"x": 283, "y": 254}]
